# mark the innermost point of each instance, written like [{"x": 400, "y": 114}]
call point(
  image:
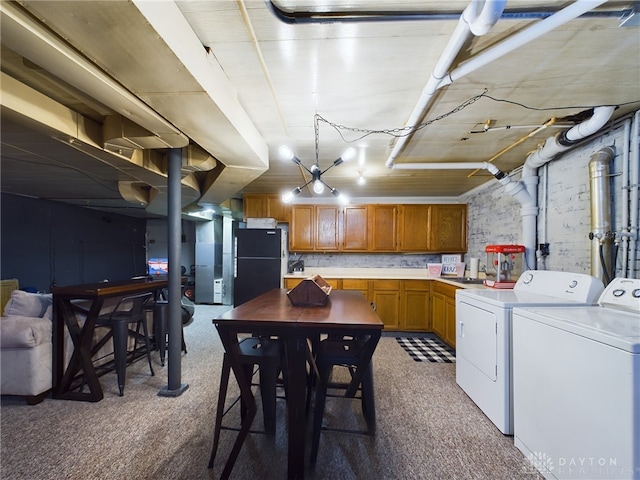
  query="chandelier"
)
[{"x": 316, "y": 174}]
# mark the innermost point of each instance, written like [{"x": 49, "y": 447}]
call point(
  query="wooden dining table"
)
[
  {"x": 86, "y": 300},
  {"x": 272, "y": 314}
]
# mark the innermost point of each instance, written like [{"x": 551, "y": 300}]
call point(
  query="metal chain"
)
[{"x": 396, "y": 132}]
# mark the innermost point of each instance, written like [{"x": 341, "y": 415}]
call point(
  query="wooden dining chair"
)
[
  {"x": 347, "y": 352},
  {"x": 266, "y": 354},
  {"x": 128, "y": 312}
]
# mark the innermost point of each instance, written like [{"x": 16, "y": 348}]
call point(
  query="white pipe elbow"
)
[
  {"x": 481, "y": 23},
  {"x": 600, "y": 117}
]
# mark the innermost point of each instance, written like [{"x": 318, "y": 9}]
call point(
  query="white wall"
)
[{"x": 494, "y": 218}]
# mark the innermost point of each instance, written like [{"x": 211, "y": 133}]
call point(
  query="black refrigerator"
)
[{"x": 258, "y": 266}]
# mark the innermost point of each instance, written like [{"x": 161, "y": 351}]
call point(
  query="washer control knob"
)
[
  {"x": 573, "y": 284},
  {"x": 618, "y": 292},
  {"x": 636, "y": 293},
  {"x": 528, "y": 278}
]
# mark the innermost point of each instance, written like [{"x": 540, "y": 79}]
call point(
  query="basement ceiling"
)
[{"x": 94, "y": 94}]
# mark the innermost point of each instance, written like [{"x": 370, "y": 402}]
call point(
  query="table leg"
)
[
  {"x": 82, "y": 339},
  {"x": 296, "y": 370}
]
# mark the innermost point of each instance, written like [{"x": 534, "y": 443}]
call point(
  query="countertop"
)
[{"x": 377, "y": 273}]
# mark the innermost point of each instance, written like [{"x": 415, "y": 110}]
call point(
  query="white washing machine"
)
[
  {"x": 483, "y": 333},
  {"x": 577, "y": 386}
]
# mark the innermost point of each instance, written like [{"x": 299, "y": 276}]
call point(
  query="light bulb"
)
[
  {"x": 343, "y": 199},
  {"x": 348, "y": 154},
  {"x": 285, "y": 152},
  {"x": 361, "y": 180},
  {"x": 287, "y": 197},
  {"x": 318, "y": 187}
]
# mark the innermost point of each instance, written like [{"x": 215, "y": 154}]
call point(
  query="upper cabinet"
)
[
  {"x": 414, "y": 228},
  {"x": 355, "y": 234},
  {"x": 448, "y": 228},
  {"x": 265, "y": 206},
  {"x": 383, "y": 228},
  {"x": 302, "y": 228}
]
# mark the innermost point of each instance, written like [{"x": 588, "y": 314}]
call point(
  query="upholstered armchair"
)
[{"x": 25, "y": 346}]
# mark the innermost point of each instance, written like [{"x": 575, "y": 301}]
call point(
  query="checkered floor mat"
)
[{"x": 427, "y": 349}]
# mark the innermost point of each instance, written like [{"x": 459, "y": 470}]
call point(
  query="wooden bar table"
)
[
  {"x": 346, "y": 313},
  {"x": 65, "y": 309}
]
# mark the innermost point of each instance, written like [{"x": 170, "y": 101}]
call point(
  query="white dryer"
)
[
  {"x": 577, "y": 386},
  {"x": 483, "y": 333}
]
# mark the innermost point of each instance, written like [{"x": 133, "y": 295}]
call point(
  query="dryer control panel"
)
[{"x": 623, "y": 294}]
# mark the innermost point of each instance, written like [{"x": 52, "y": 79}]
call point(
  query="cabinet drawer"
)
[
  {"x": 386, "y": 284},
  {"x": 417, "y": 285},
  {"x": 355, "y": 284}
]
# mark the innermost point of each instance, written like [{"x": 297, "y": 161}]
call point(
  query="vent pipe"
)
[{"x": 601, "y": 235}]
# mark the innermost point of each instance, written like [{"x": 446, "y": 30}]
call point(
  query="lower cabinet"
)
[
  {"x": 415, "y": 313},
  {"x": 385, "y": 296},
  {"x": 443, "y": 312},
  {"x": 404, "y": 305}
]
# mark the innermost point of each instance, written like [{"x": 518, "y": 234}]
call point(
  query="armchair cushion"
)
[
  {"x": 25, "y": 332},
  {"x": 25, "y": 304}
]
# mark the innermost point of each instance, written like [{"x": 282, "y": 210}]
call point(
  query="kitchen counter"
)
[{"x": 378, "y": 273}]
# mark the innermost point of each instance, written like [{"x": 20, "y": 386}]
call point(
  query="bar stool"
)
[
  {"x": 341, "y": 352},
  {"x": 128, "y": 311},
  {"x": 266, "y": 354},
  {"x": 160, "y": 313}
]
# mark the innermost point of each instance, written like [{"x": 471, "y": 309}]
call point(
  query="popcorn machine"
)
[{"x": 504, "y": 265}]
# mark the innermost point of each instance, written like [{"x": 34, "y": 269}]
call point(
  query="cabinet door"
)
[
  {"x": 382, "y": 228},
  {"x": 438, "y": 314},
  {"x": 450, "y": 322},
  {"x": 415, "y": 312},
  {"x": 327, "y": 218},
  {"x": 254, "y": 206},
  {"x": 276, "y": 209},
  {"x": 302, "y": 228},
  {"x": 448, "y": 230},
  {"x": 414, "y": 228},
  {"x": 386, "y": 299},
  {"x": 355, "y": 228}
]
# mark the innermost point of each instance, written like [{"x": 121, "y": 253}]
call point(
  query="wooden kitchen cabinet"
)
[
  {"x": 314, "y": 228},
  {"x": 327, "y": 222},
  {"x": 302, "y": 230},
  {"x": 358, "y": 284},
  {"x": 443, "y": 312},
  {"x": 414, "y": 228},
  {"x": 382, "y": 228},
  {"x": 265, "y": 206},
  {"x": 415, "y": 312},
  {"x": 290, "y": 283},
  {"x": 385, "y": 295},
  {"x": 407, "y": 228},
  {"x": 355, "y": 231},
  {"x": 448, "y": 228}
]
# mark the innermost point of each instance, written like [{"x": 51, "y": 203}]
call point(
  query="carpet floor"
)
[{"x": 427, "y": 428}]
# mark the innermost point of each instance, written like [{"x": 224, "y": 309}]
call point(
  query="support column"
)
[{"x": 174, "y": 387}]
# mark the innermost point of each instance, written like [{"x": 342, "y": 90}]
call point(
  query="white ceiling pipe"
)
[
  {"x": 519, "y": 39},
  {"x": 565, "y": 140},
  {"x": 470, "y": 21},
  {"x": 634, "y": 195}
]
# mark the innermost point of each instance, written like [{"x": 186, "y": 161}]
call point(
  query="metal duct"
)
[{"x": 601, "y": 235}]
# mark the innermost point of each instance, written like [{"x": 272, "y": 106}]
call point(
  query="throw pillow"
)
[{"x": 27, "y": 304}]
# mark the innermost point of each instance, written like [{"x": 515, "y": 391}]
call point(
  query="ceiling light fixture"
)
[
  {"x": 316, "y": 174},
  {"x": 361, "y": 179}
]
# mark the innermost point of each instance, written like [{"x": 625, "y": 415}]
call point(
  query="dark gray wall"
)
[{"x": 44, "y": 242}]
